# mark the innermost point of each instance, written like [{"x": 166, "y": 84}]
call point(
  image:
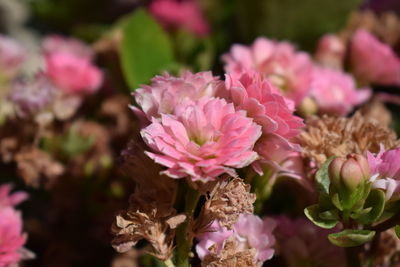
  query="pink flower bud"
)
[
  {"x": 334, "y": 171},
  {"x": 331, "y": 51},
  {"x": 349, "y": 172}
]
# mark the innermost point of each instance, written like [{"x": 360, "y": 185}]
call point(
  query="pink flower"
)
[
  {"x": 331, "y": 51},
  {"x": 167, "y": 92},
  {"x": 7, "y": 199},
  {"x": 373, "y": 61},
  {"x": 385, "y": 171},
  {"x": 287, "y": 69},
  {"x": 183, "y": 14},
  {"x": 250, "y": 231},
  {"x": 268, "y": 108},
  {"x": 59, "y": 44},
  {"x": 11, "y": 237},
  {"x": 12, "y": 55},
  {"x": 299, "y": 240},
  {"x": 335, "y": 91},
  {"x": 202, "y": 139},
  {"x": 69, "y": 66}
]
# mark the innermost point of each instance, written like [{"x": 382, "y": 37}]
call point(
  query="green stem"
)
[
  {"x": 169, "y": 263},
  {"x": 352, "y": 258},
  {"x": 184, "y": 243}
]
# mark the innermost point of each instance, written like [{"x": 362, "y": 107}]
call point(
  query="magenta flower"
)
[
  {"x": 385, "y": 171},
  {"x": 8, "y": 199},
  {"x": 299, "y": 240},
  {"x": 268, "y": 108},
  {"x": 373, "y": 61},
  {"x": 167, "y": 92},
  {"x": 11, "y": 237},
  {"x": 180, "y": 14},
  {"x": 250, "y": 231},
  {"x": 202, "y": 139},
  {"x": 12, "y": 55},
  {"x": 335, "y": 91},
  {"x": 331, "y": 51},
  {"x": 69, "y": 66},
  {"x": 286, "y": 68}
]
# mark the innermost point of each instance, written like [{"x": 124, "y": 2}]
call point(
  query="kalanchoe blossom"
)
[
  {"x": 335, "y": 91},
  {"x": 8, "y": 199},
  {"x": 331, "y": 51},
  {"x": 287, "y": 69},
  {"x": 180, "y": 14},
  {"x": 30, "y": 96},
  {"x": 268, "y": 108},
  {"x": 385, "y": 171},
  {"x": 69, "y": 66},
  {"x": 249, "y": 232},
  {"x": 12, "y": 239},
  {"x": 373, "y": 61},
  {"x": 202, "y": 139},
  {"x": 166, "y": 92},
  {"x": 12, "y": 55}
]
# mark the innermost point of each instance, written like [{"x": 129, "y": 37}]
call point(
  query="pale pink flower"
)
[
  {"x": 335, "y": 91},
  {"x": 202, "y": 139},
  {"x": 69, "y": 65},
  {"x": 11, "y": 237},
  {"x": 60, "y": 44},
  {"x": 250, "y": 231},
  {"x": 331, "y": 51},
  {"x": 167, "y": 92},
  {"x": 185, "y": 14},
  {"x": 8, "y": 199},
  {"x": 286, "y": 68},
  {"x": 373, "y": 61},
  {"x": 299, "y": 240},
  {"x": 385, "y": 171},
  {"x": 271, "y": 110},
  {"x": 12, "y": 55}
]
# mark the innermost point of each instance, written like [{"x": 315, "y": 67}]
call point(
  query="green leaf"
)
[
  {"x": 351, "y": 238},
  {"x": 322, "y": 177},
  {"x": 329, "y": 215},
  {"x": 397, "y": 230},
  {"x": 375, "y": 201},
  {"x": 146, "y": 49},
  {"x": 313, "y": 214}
]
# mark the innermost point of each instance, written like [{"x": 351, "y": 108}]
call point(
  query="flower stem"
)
[
  {"x": 169, "y": 263},
  {"x": 184, "y": 242}
]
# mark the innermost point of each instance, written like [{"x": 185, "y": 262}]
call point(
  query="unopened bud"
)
[
  {"x": 308, "y": 107},
  {"x": 331, "y": 51},
  {"x": 351, "y": 174},
  {"x": 334, "y": 171}
]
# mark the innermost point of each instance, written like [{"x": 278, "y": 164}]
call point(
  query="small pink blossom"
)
[
  {"x": 271, "y": 110},
  {"x": 250, "y": 231},
  {"x": 11, "y": 237},
  {"x": 166, "y": 92},
  {"x": 299, "y": 240},
  {"x": 286, "y": 68},
  {"x": 12, "y": 55},
  {"x": 331, "y": 51},
  {"x": 385, "y": 171},
  {"x": 180, "y": 14},
  {"x": 202, "y": 139},
  {"x": 69, "y": 66},
  {"x": 335, "y": 91},
  {"x": 8, "y": 199},
  {"x": 373, "y": 61}
]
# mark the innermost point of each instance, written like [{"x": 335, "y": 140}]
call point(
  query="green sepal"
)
[
  {"x": 376, "y": 203},
  {"x": 322, "y": 177},
  {"x": 313, "y": 214},
  {"x": 351, "y": 238}
]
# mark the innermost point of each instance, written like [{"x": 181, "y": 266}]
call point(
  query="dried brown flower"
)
[
  {"x": 230, "y": 255},
  {"x": 338, "y": 136},
  {"x": 8, "y": 147},
  {"x": 376, "y": 110},
  {"x": 117, "y": 109},
  {"x": 36, "y": 166},
  {"x": 229, "y": 198}
]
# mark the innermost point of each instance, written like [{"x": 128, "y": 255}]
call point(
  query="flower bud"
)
[
  {"x": 331, "y": 51},
  {"x": 350, "y": 172}
]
